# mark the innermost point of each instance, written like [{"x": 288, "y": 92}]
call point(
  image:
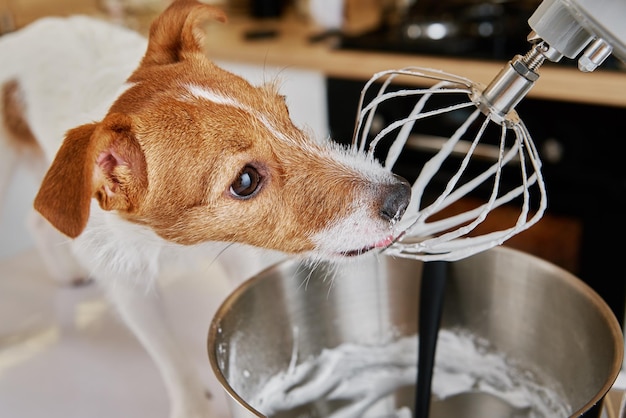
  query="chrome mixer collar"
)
[{"x": 589, "y": 29}]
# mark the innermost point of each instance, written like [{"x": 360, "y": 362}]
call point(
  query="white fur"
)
[
  {"x": 122, "y": 257},
  {"x": 95, "y": 57}
]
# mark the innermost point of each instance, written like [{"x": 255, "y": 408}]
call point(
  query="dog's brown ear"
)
[
  {"x": 179, "y": 31},
  {"x": 64, "y": 196},
  {"x": 101, "y": 160}
]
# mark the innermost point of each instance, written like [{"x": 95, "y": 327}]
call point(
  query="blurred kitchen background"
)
[{"x": 324, "y": 50}]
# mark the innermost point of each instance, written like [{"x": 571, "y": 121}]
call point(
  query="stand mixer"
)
[{"x": 589, "y": 30}]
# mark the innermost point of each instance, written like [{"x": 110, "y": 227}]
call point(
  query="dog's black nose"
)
[{"x": 395, "y": 200}]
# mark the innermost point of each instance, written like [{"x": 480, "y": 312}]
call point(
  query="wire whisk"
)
[{"x": 486, "y": 152}]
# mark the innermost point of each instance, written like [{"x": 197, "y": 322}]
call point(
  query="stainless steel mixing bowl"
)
[{"x": 527, "y": 308}]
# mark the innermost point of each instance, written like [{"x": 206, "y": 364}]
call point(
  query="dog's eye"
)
[{"x": 247, "y": 183}]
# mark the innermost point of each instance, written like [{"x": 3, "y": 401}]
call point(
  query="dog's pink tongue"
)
[{"x": 384, "y": 243}]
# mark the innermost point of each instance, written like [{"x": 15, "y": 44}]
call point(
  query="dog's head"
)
[{"x": 198, "y": 154}]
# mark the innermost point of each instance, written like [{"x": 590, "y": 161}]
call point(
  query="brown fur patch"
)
[
  {"x": 167, "y": 159},
  {"x": 13, "y": 115}
]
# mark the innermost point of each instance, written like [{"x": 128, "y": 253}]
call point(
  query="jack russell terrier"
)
[{"x": 149, "y": 148}]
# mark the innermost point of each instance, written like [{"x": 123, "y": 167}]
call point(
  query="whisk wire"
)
[
  {"x": 368, "y": 112},
  {"x": 448, "y": 238},
  {"x": 388, "y": 76},
  {"x": 430, "y": 168},
  {"x": 444, "y": 199}
]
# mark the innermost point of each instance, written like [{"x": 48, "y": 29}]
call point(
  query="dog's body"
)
[{"x": 145, "y": 155}]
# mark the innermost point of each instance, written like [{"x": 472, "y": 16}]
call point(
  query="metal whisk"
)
[{"x": 487, "y": 144}]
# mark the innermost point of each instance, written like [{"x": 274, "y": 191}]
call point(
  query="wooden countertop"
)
[{"x": 291, "y": 48}]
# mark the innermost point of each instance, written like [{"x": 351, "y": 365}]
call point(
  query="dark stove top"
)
[
  {"x": 477, "y": 29},
  {"x": 500, "y": 48},
  {"x": 483, "y": 29}
]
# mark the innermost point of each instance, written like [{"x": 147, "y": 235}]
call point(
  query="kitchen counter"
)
[{"x": 291, "y": 47}]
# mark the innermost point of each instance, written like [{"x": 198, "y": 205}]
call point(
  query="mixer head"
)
[{"x": 487, "y": 157}]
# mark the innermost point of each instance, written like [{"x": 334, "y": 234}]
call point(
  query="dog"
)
[{"x": 146, "y": 148}]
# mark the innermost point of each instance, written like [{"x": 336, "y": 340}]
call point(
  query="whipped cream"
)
[{"x": 356, "y": 377}]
